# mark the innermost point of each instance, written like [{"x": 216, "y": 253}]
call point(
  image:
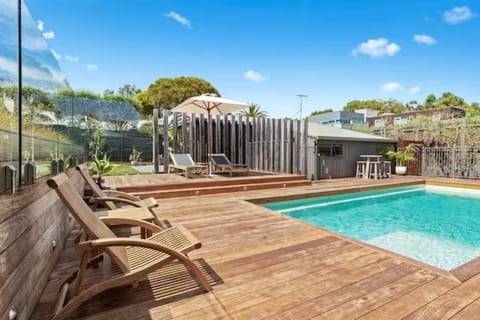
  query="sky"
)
[{"x": 267, "y": 52}]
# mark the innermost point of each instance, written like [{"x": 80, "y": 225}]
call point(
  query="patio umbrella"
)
[{"x": 211, "y": 105}]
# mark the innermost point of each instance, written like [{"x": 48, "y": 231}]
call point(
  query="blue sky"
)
[{"x": 267, "y": 52}]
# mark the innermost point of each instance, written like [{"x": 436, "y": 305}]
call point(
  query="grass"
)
[{"x": 121, "y": 170}]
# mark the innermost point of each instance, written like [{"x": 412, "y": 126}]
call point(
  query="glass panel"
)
[
  {"x": 8, "y": 86},
  {"x": 337, "y": 150},
  {"x": 42, "y": 78},
  {"x": 324, "y": 150}
]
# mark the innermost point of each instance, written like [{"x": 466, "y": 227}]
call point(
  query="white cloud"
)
[
  {"x": 254, "y": 76},
  {"x": 56, "y": 55},
  {"x": 40, "y": 25},
  {"x": 391, "y": 87},
  {"x": 414, "y": 90},
  {"x": 71, "y": 58},
  {"x": 377, "y": 48},
  {"x": 34, "y": 42},
  {"x": 91, "y": 67},
  {"x": 425, "y": 39},
  {"x": 180, "y": 19},
  {"x": 49, "y": 35},
  {"x": 42, "y": 72},
  {"x": 457, "y": 15}
]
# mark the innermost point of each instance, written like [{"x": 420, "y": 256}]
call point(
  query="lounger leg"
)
[
  {"x": 83, "y": 267},
  {"x": 200, "y": 277}
]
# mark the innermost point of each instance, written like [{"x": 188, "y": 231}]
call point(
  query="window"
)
[
  {"x": 379, "y": 123},
  {"x": 329, "y": 150},
  {"x": 337, "y": 150},
  {"x": 323, "y": 150},
  {"x": 400, "y": 120}
]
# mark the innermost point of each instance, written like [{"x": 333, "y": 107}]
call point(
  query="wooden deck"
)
[{"x": 265, "y": 265}]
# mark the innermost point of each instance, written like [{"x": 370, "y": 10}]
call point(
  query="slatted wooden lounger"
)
[
  {"x": 185, "y": 163},
  {"x": 223, "y": 164},
  {"x": 109, "y": 197},
  {"x": 135, "y": 258}
]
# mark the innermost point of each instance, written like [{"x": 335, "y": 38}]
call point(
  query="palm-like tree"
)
[{"x": 254, "y": 111}]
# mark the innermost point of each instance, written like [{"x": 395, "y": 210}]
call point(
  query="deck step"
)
[
  {"x": 214, "y": 183},
  {"x": 198, "y": 191}
]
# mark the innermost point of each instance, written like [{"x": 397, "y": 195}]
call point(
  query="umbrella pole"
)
[{"x": 209, "y": 146}]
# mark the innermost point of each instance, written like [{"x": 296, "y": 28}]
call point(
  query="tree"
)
[
  {"x": 321, "y": 112},
  {"x": 108, "y": 92},
  {"x": 473, "y": 110},
  {"x": 382, "y": 106},
  {"x": 254, "y": 111},
  {"x": 128, "y": 90},
  {"x": 430, "y": 101},
  {"x": 448, "y": 99},
  {"x": 354, "y": 105},
  {"x": 167, "y": 93}
]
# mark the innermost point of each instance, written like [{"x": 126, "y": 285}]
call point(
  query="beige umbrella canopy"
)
[{"x": 211, "y": 105}]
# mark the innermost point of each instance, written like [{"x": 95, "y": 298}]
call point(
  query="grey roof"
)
[{"x": 318, "y": 131}]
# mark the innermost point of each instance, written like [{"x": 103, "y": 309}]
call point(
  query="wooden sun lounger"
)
[
  {"x": 135, "y": 258},
  {"x": 222, "y": 164},
  {"x": 185, "y": 163},
  {"x": 109, "y": 197}
]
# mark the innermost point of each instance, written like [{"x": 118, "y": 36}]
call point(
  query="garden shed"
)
[{"x": 332, "y": 152}]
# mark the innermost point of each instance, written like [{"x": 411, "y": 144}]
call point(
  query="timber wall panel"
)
[
  {"x": 26, "y": 252},
  {"x": 276, "y": 145}
]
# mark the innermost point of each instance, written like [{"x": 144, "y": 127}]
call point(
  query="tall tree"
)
[
  {"x": 448, "y": 99},
  {"x": 167, "y": 93},
  {"x": 254, "y": 111},
  {"x": 430, "y": 101},
  {"x": 128, "y": 90}
]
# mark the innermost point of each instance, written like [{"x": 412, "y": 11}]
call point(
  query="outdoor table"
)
[{"x": 370, "y": 158}]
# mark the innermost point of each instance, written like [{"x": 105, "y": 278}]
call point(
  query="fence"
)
[
  {"x": 265, "y": 144},
  {"x": 38, "y": 148},
  {"x": 452, "y": 162}
]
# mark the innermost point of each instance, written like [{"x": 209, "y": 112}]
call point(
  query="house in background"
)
[
  {"x": 342, "y": 119},
  {"x": 332, "y": 152},
  {"x": 405, "y": 117}
]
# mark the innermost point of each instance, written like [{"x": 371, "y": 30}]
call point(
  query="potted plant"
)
[
  {"x": 401, "y": 157},
  {"x": 100, "y": 167},
  {"x": 134, "y": 156}
]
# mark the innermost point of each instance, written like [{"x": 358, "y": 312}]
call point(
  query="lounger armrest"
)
[
  {"x": 131, "y": 222},
  {"x": 115, "y": 199},
  {"x": 125, "y": 242},
  {"x": 119, "y": 194}
]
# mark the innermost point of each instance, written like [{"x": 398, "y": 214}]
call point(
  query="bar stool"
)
[
  {"x": 387, "y": 168},
  {"x": 361, "y": 169},
  {"x": 375, "y": 169}
]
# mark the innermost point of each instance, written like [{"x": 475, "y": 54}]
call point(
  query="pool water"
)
[{"x": 436, "y": 225}]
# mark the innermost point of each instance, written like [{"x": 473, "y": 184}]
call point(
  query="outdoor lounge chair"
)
[
  {"x": 109, "y": 197},
  {"x": 135, "y": 258},
  {"x": 222, "y": 164},
  {"x": 185, "y": 163}
]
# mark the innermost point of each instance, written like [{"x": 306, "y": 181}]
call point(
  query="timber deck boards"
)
[{"x": 265, "y": 265}]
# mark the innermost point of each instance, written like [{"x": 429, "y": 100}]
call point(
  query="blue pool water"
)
[{"x": 436, "y": 225}]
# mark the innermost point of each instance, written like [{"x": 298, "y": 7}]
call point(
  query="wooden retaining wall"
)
[
  {"x": 30, "y": 221},
  {"x": 265, "y": 144}
]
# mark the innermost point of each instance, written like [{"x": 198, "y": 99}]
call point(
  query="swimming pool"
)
[{"x": 436, "y": 225}]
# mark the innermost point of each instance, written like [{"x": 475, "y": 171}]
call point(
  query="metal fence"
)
[{"x": 455, "y": 162}]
